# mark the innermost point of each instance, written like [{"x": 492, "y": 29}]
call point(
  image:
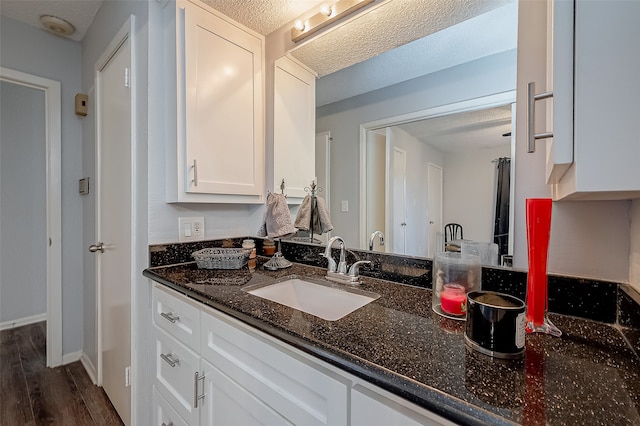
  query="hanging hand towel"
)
[
  {"x": 321, "y": 219},
  {"x": 277, "y": 218},
  {"x": 303, "y": 218},
  {"x": 322, "y": 212}
]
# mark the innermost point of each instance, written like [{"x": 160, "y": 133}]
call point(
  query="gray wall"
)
[
  {"x": 23, "y": 230},
  {"x": 37, "y": 52},
  {"x": 487, "y": 76}
]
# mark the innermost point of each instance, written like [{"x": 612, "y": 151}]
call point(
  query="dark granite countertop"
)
[{"x": 588, "y": 376}]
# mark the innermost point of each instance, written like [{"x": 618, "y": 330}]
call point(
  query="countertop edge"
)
[{"x": 424, "y": 396}]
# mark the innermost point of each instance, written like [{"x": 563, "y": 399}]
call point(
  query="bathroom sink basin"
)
[{"x": 324, "y": 300}]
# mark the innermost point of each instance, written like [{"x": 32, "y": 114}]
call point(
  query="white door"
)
[
  {"x": 399, "y": 201},
  {"x": 113, "y": 225},
  {"x": 434, "y": 206}
]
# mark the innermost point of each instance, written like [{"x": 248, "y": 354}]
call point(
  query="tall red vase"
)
[{"x": 538, "y": 232}]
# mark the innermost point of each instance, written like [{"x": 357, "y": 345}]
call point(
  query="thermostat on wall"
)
[
  {"x": 82, "y": 106},
  {"x": 83, "y": 186}
]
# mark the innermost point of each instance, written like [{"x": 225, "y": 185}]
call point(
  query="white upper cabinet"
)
[
  {"x": 593, "y": 66},
  {"x": 294, "y": 128},
  {"x": 217, "y": 154}
]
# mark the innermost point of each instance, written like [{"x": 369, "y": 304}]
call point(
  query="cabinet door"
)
[
  {"x": 175, "y": 369},
  {"x": 296, "y": 389},
  {"x": 225, "y": 402},
  {"x": 163, "y": 413},
  {"x": 224, "y": 124},
  {"x": 294, "y": 127},
  {"x": 370, "y": 408}
]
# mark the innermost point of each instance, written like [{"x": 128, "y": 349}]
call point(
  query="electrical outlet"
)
[{"x": 190, "y": 229}]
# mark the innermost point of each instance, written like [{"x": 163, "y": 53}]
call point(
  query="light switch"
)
[
  {"x": 190, "y": 229},
  {"x": 345, "y": 205}
]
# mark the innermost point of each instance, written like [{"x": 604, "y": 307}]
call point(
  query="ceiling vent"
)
[{"x": 57, "y": 25}]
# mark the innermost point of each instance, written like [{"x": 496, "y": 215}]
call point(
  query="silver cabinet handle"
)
[
  {"x": 197, "y": 397},
  {"x": 531, "y": 116},
  {"x": 96, "y": 247},
  {"x": 170, "y": 316},
  {"x": 195, "y": 172},
  {"x": 169, "y": 359},
  {"x": 170, "y": 424}
]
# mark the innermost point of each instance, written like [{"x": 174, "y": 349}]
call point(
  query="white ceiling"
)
[
  {"x": 459, "y": 132},
  {"x": 79, "y": 13}
]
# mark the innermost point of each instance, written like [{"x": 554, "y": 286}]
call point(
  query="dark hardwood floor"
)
[{"x": 32, "y": 394}]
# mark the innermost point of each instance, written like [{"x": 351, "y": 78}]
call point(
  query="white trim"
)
[
  {"x": 53, "y": 127},
  {"x": 89, "y": 367},
  {"x": 23, "y": 321},
  {"x": 71, "y": 357},
  {"x": 490, "y": 101}
]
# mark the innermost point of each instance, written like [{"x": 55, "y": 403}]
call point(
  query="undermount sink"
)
[{"x": 317, "y": 298}]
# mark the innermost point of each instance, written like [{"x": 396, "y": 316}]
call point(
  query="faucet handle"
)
[
  {"x": 354, "y": 270},
  {"x": 332, "y": 267}
]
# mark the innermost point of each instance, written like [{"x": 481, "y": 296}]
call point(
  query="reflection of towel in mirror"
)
[
  {"x": 277, "y": 218},
  {"x": 321, "y": 219}
]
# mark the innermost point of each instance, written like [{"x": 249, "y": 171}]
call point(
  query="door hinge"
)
[
  {"x": 126, "y": 77},
  {"x": 127, "y": 376}
]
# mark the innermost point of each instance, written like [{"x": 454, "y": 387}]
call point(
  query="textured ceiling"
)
[
  {"x": 79, "y": 13},
  {"x": 263, "y": 16},
  {"x": 459, "y": 132},
  {"x": 487, "y": 34},
  {"x": 387, "y": 26}
]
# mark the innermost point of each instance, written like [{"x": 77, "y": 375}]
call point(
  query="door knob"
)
[
  {"x": 96, "y": 247},
  {"x": 431, "y": 222}
]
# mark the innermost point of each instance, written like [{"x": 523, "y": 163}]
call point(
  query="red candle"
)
[{"x": 453, "y": 299}]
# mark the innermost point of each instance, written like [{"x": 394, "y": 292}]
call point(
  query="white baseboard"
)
[
  {"x": 23, "y": 321},
  {"x": 88, "y": 366},
  {"x": 71, "y": 357}
]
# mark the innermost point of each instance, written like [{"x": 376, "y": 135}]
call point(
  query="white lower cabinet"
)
[
  {"x": 241, "y": 376},
  {"x": 163, "y": 413},
  {"x": 225, "y": 402}
]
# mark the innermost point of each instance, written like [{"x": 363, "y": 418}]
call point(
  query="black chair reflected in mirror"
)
[{"x": 452, "y": 232}]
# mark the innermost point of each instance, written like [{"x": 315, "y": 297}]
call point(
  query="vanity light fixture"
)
[{"x": 327, "y": 15}]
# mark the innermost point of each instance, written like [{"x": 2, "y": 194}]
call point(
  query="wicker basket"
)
[{"x": 221, "y": 258}]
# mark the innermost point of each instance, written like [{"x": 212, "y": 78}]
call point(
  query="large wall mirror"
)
[{"x": 417, "y": 134}]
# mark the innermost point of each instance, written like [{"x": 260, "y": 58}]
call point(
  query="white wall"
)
[
  {"x": 469, "y": 190},
  {"x": 490, "y": 75},
  {"x": 590, "y": 239},
  {"x": 37, "y": 52},
  {"x": 23, "y": 230}
]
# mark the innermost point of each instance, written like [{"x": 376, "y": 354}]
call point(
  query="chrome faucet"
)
[
  {"x": 373, "y": 237},
  {"x": 338, "y": 272},
  {"x": 341, "y": 267}
]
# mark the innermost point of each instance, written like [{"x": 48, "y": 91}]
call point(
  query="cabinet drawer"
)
[
  {"x": 175, "y": 369},
  {"x": 163, "y": 413},
  {"x": 303, "y": 394},
  {"x": 177, "y": 317}
]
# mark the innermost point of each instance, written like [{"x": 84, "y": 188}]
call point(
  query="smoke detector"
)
[{"x": 57, "y": 25}]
